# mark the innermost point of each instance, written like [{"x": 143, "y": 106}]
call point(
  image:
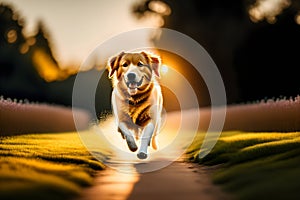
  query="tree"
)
[
  {"x": 225, "y": 29},
  {"x": 20, "y": 76},
  {"x": 42, "y": 41}
]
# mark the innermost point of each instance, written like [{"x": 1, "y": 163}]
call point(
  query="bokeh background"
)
[{"x": 254, "y": 44}]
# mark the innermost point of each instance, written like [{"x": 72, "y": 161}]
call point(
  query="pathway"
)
[{"x": 177, "y": 181}]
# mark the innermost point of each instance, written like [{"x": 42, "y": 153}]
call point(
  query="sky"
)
[{"x": 76, "y": 27}]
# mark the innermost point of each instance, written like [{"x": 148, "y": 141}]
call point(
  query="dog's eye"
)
[
  {"x": 125, "y": 65},
  {"x": 140, "y": 64}
]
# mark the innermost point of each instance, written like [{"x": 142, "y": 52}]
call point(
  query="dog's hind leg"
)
[
  {"x": 127, "y": 135},
  {"x": 145, "y": 140}
]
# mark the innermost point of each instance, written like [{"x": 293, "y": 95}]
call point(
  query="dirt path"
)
[{"x": 177, "y": 181}]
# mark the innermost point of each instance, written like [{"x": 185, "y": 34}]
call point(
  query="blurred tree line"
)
[
  {"x": 254, "y": 43},
  {"x": 27, "y": 65},
  {"x": 29, "y": 70}
]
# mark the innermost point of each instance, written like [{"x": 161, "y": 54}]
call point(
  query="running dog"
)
[{"x": 136, "y": 98}]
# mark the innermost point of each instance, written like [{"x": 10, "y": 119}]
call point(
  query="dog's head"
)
[{"x": 133, "y": 71}]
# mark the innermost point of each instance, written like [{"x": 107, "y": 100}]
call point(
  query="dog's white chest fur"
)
[{"x": 136, "y": 98}]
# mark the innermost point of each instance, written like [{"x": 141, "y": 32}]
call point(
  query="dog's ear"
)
[
  {"x": 113, "y": 64},
  {"x": 154, "y": 61}
]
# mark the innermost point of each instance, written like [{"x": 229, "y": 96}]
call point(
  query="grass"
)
[
  {"x": 45, "y": 166},
  {"x": 255, "y": 165}
]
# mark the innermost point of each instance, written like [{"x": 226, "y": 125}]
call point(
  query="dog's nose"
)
[{"x": 131, "y": 76}]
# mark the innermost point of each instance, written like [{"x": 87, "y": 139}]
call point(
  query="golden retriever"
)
[{"x": 136, "y": 98}]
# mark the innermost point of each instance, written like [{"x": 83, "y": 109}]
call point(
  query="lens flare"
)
[
  {"x": 179, "y": 127},
  {"x": 164, "y": 69}
]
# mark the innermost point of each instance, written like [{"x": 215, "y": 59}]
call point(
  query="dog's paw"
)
[
  {"x": 131, "y": 143},
  {"x": 142, "y": 155}
]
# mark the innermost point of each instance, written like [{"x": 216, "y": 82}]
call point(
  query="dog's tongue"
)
[
  {"x": 132, "y": 85},
  {"x": 132, "y": 91}
]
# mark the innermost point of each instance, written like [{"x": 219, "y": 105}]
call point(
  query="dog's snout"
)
[{"x": 131, "y": 76}]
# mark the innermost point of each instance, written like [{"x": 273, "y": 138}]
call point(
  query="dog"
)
[{"x": 136, "y": 98}]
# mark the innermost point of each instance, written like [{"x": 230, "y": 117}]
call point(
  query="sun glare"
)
[
  {"x": 12, "y": 36},
  {"x": 160, "y": 7},
  {"x": 46, "y": 68},
  {"x": 267, "y": 9},
  {"x": 297, "y": 18},
  {"x": 164, "y": 69}
]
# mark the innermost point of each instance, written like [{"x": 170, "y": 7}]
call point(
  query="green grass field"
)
[
  {"x": 255, "y": 165},
  {"x": 57, "y": 166},
  {"x": 45, "y": 166}
]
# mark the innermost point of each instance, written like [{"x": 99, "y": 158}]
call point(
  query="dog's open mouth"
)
[{"x": 134, "y": 84}]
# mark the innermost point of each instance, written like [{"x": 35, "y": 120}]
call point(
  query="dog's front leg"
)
[
  {"x": 122, "y": 127},
  {"x": 145, "y": 140},
  {"x": 128, "y": 136}
]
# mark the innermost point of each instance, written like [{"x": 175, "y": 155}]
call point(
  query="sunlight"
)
[
  {"x": 24, "y": 48},
  {"x": 46, "y": 68},
  {"x": 115, "y": 184},
  {"x": 31, "y": 41},
  {"x": 297, "y": 18},
  {"x": 259, "y": 137},
  {"x": 122, "y": 153},
  {"x": 12, "y": 36},
  {"x": 267, "y": 9},
  {"x": 160, "y": 7},
  {"x": 164, "y": 69},
  {"x": 173, "y": 139},
  {"x": 57, "y": 163}
]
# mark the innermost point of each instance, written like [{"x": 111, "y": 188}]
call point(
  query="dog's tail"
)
[{"x": 154, "y": 143}]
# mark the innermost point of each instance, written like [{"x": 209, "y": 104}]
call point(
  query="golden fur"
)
[{"x": 136, "y": 97}]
